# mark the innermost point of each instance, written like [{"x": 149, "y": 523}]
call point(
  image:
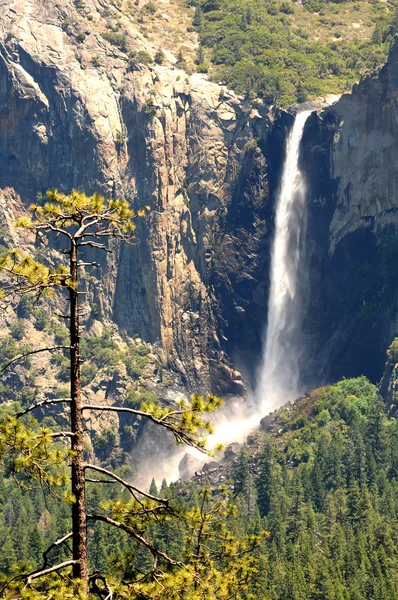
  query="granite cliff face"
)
[
  {"x": 75, "y": 111},
  {"x": 388, "y": 387},
  {"x": 350, "y": 153}
]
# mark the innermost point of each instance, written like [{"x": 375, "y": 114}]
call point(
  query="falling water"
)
[{"x": 280, "y": 372}]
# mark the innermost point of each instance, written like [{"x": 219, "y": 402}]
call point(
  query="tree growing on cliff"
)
[{"x": 81, "y": 223}]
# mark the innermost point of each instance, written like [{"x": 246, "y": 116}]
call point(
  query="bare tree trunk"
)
[{"x": 79, "y": 527}]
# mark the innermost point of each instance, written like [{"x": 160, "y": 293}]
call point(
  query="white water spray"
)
[{"x": 280, "y": 372}]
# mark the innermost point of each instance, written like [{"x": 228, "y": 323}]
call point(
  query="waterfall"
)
[
  {"x": 279, "y": 379},
  {"x": 280, "y": 373}
]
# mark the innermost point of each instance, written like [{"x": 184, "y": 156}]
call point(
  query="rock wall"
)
[
  {"x": 74, "y": 112},
  {"x": 350, "y": 153},
  {"x": 388, "y": 387}
]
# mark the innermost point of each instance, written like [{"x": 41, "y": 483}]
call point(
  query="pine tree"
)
[
  {"x": 82, "y": 223},
  {"x": 8, "y": 557},
  {"x": 153, "y": 488},
  {"x": 265, "y": 480},
  {"x": 318, "y": 485},
  {"x": 159, "y": 57},
  {"x": 35, "y": 545}
]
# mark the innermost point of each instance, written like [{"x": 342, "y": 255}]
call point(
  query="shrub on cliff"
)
[{"x": 392, "y": 352}]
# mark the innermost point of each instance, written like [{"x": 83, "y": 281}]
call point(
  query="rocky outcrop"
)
[{"x": 389, "y": 387}]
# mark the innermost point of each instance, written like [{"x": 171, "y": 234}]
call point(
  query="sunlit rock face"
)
[{"x": 73, "y": 113}]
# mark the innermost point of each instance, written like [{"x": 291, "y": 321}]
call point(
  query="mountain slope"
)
[
  {"x": 323, "y": 481},
  {"x": 290, "y": 51}
]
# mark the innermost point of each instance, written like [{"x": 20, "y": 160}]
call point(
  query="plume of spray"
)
[
  {"x": 232, "y": 423},
  {"x": 279, "y": 375}
]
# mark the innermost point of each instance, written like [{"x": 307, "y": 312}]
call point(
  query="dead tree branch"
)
[
  {"x": 58, "y": 567},
  {"x": 127, "y": 485},
  {"x": 168, "y": 421},
  {"x": 25, "y": 354},
  {"x": 61, "y": 434},
  {"x": 35, "y": 574},
  {"x": 55, "y": 544},
  {"x": 97, "y": 576},
  {"x": 154, "y": 551},
  {"x": 41, "y": 403}
]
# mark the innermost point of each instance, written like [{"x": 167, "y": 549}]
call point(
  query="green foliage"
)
[
  {"x": 216, "y": 565},
  {"x": 136, "y": 398},
  {"x": 116, "y": 39},
  {"x": 287, "y": 8},
  {"x": 54, "y": 587},
  {"x": 18, "y": 329},
  {"x": 149, "y": 8},
  {"x": 202, "y": 68},
  {"x": 349, "y": 399},
  {"x": 60, "y": 212},
  {"x": 149, "y": 108},
  {"x": 251, "y": 145},
  {"x": 80, "y": 36},
  {"x": 29, "y": 274},
  {"x": 324, "y": 490},
  {"x": 104, "y": 443},
  {"x": 392, "y": 352},
  {"x": 181, "y": 62},
  {"x": 63, "y": 364},
  {"x": 136, "y": 361},
  {"x": 98, "y": 353},
  {"x": 313, "y": 514},
  {"x": 88, "y": 372},
  {"x": 28, "y": 452},
  {"x": 95, "y": 310},
  {"x": 159, "y": 57},
  {"x": 101, "y": 350},
  {"x": 140, "y": 57},
  {"x": 9, "y": 349},
  {"x": 60, "y": 333},
  {"x": 41, "y": 319},
  {"x": 120, "y": 140},
  {"x": 26, "y": 306},
  {"x": 67, "y": 24},
  {"x": 187, "y": 420},
  {"x": 261, "y": 48}
]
